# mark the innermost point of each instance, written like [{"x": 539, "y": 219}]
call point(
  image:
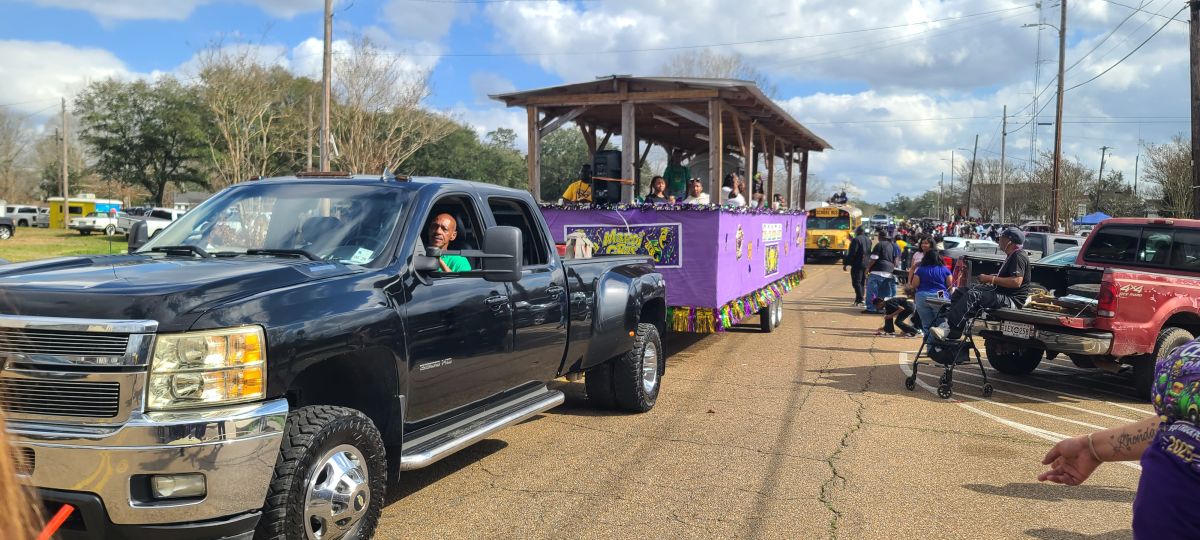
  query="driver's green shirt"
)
[{"x": 456, "y": 263}]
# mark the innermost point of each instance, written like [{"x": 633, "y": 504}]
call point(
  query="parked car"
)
[
  {"x": 8, "y": 227},
  {"x": 23, "y": 216},
  {"x": 1131, "y": 296},
  {"x": 156, "y": 220},
  {"x": 1084, "y": 230},
  {"x": 218, "y": 378},
  {"x": 43, "y": 218},
  {"x": 101, "y": 222},
  {"x": 1037, "y": 226}
]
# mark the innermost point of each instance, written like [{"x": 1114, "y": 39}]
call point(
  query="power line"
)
[
  {"x": 1143, "y": 11},
  {"x": 1102, "y": 41},
  {"x": 1135, "y": 49}
]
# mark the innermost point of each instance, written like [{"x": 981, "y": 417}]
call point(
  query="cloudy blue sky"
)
[{"x": 894, "y": 85}]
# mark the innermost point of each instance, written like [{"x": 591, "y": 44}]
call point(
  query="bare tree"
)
[
  {"x": 13, "y": 143},
  {"x": 710, "y": 64},
  {"x": 245, "y": 100},
  {"x": 1169, "y": 169},
  {"x": 378, "y": 121}
]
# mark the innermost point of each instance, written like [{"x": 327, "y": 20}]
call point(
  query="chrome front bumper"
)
[
  {"x": 1089, "y": 343},
  {"x": 235, "y": 447}
]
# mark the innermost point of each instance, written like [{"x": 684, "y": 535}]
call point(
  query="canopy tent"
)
[
  {"x": 699, "y": 117},
  {"x": 1092, "y": 219}
]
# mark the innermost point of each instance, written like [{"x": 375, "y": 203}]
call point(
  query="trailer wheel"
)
[
  {"x": 330, "y": 477},
  {"x": 1143, "y": 368},
  {"x": 766, "y": 319},
  {"x": 1012, "y": 359}
]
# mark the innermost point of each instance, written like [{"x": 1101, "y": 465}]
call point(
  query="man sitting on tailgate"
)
[{"x": 1008, "y": 287}]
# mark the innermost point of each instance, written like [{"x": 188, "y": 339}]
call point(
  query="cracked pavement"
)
[{"x": 806, "y": 432}]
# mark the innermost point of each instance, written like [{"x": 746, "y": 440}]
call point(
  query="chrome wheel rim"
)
[
  {"x": 338, "y": 494},
  {"x": 4, "y": 233},
  {"x": 649, "y": 368}
]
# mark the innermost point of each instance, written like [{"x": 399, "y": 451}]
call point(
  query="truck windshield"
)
[{"x": 345, "y": 223}]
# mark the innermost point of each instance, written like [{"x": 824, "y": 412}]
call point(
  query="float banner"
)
[
  {"x": 659, "y": 241},
  {"x": 708, "y": 257}
]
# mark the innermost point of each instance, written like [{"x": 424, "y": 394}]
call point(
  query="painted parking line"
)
[
  {"x": 1040, "y": 400},
  {"x": 1016, "y": 408},
  {"x": 994, "y": 375},
  {"x": 906, "y": 366}
]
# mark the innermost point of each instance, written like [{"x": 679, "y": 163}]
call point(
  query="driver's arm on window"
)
[{"x": 443, "y": 265}]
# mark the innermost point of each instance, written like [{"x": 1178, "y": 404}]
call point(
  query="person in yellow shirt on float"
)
[{"x": 580, "y": 191}]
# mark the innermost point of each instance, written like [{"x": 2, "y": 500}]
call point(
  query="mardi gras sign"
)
[{"x": 660, "y": 241}]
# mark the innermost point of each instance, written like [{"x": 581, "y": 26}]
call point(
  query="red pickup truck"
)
[{"x": 1132, "y": 296}]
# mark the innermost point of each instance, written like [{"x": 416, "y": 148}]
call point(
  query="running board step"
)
[{"x": 429, "y": 449}]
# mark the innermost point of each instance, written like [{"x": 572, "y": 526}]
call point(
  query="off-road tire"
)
[
  {"x": 1143, "y": 367},
  {"x": 311, "y": 432},
  {"x": 599, "y": 384},
  {"x": 630, "y": 392},
  {"x": 1017, "y": 360}
]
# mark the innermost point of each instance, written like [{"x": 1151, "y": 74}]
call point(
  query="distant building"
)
[{"x": 189, "y": 199}]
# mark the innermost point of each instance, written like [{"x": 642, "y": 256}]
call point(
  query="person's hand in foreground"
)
[{"x": 1071, "y": 462}]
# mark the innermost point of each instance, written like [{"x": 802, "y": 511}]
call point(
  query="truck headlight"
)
[{"x": 202, "y": 369}]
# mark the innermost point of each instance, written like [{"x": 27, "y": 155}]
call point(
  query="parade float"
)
[{"x": 722, "y": 264}]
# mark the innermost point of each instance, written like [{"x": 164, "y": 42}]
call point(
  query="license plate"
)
[{"x": 1017, "y": 330}]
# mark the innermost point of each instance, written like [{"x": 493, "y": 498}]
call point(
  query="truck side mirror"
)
[{"x": 502, "y": 244}]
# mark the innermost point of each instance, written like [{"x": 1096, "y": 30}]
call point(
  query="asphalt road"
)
[{"x": 806, "y": 432}]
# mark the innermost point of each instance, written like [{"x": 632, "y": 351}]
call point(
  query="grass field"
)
[{"x": 32, "y": 243}]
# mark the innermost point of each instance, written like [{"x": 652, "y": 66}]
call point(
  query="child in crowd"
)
[{"x": 896, "y": 311}]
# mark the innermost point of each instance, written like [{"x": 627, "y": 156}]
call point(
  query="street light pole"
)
[
  {"x": 1003, "y": 139},
  {"x": 1058, "y": 114}
]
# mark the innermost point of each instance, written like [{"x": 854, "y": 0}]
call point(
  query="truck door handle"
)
[
  {"x": 554, "y": 290},
  {"x": 499, "y": 300}
]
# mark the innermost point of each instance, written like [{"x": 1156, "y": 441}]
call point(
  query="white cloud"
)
[
  {"x": 486, "y": 119},
  {"x": 37, "y": 73},
  {"x": 486, "y": 83},
  {"x": 173, "y": 10},
  {"x": 428, "y": 21}
]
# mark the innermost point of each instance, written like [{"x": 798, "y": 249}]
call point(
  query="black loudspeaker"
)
[
  {"x": 137, "y": 236},
  {"x": 606, "y": 163}
]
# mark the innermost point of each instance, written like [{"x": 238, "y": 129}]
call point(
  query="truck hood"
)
[{"x": 174, "y": 291}]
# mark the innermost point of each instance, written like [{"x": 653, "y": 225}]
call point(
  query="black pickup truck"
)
[{"x": 270, "y": 361}]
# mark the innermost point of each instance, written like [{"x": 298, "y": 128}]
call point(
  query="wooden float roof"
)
[{"x": 671, "y": 111}]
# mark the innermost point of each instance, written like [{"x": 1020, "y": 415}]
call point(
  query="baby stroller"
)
[{"x": 949, "y": 354}]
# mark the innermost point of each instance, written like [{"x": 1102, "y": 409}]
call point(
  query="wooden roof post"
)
[
  {"x": 629, "y": 150},
  {"x": 748, "y": 178},
  {"x": 788, "y": 161},
  {"x": 804, "y": 178},
  {"x": 770, "y": 191},
  {"x": 716, "y": 150},
  {"x": 535, "y": 152}
]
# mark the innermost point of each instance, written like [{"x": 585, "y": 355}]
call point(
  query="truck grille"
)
[
  {"x": 60, "y": 398},
  {"x": 49, "y": 342}
]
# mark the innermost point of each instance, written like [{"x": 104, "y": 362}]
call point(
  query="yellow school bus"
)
[{"x": 830, "y": 229}]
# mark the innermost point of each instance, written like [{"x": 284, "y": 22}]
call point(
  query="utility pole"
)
[
  {"x": 66, "y": 192},
  {"x": 1058, "y": 113},
  {"x": 1003, "y": 138},
  {"x": 950, "y": 195},
  {"x": 309, "y": 130},
  {"x": 1194, "y": 24},
  {"x": 940, "y": 208},
  {"x": 326, "y": 84},
  {"x": 1135, "y": 171},
  {"x": 971, "y": 177},
  {"x": 1100, "y": 177}
]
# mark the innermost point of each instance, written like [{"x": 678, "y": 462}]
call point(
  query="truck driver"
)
[{"x": 443, "y": 230}]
